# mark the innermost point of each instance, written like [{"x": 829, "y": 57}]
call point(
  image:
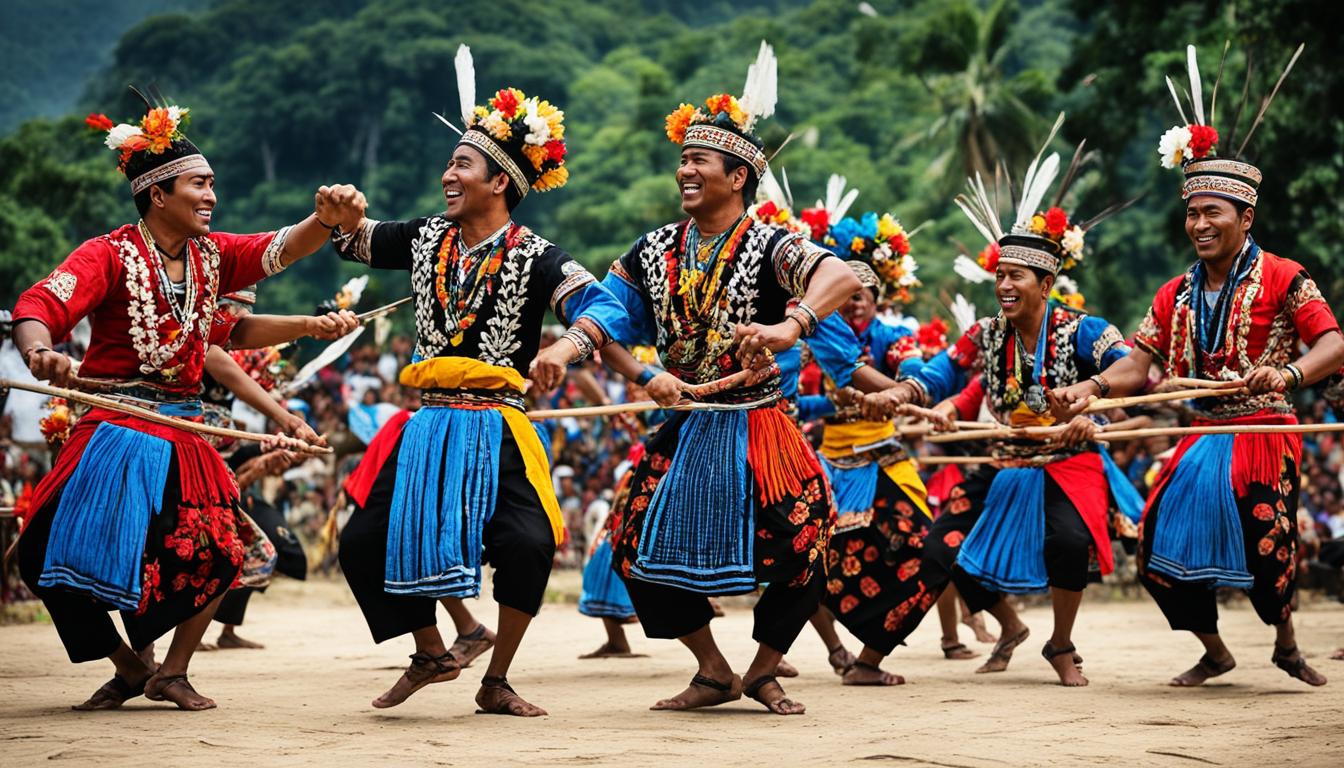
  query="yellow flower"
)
[
  {"x": 887, "y": 227},
  {"x": 536, "y": 154},
  {"x": 712, "y": 336},
  {"x": 856, "y": 245},
  {"x": 552, "y": 179},
  {"x": 1038, "y": 224}
]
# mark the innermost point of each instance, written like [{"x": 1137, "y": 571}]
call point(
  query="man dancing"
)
[
  {"x": 468, "y": 480},
  {"x": 728, "y": 499},
  {"x": 135, "y": 515}
]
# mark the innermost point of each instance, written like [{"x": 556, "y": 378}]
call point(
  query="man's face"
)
[
  {"x": 705, "y": 183},
  {"x": 1018, "y": 290},
  {"x": 858, "y": 311},
  {"x": 189, "y": 206},
  {"x": 1214, "y": 226},
  {"x": 467, "y": 189}
]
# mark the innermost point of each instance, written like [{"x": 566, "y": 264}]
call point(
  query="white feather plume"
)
[
  {"x": 989, "y": 212},
  {"x": 1177, "y": 98},
  {"x": 762, "y": 87},
  {"x": 1032, "y": 188},
  {"x": 970, "y": 270},
  {"x": 771, "y": 190},
  {"x": 466, "y": 82},
  {"x": 868, "y": 10},
  {"x": 355, "y": 288},
  {"x": 837, "y": 200},
  {"x": 1196, "y": 86},
  {"x": 969, "y": 208},
  {"x": 963, "y": 311},
  {"x": 788, "y": 193}
]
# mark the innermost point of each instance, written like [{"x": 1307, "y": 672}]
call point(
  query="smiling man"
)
[
  {"x": 468, "y": 480},
  {"x": 1223, "y": 511},
  {"x": 724, "y": 500},
  {"x": 151, "y": 290},
  {"x": 1033, "y": 519}
]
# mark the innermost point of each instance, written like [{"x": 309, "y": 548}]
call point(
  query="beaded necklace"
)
[
  {"x": 700, "y": 293},
  {"x": 472, "y": 272}
]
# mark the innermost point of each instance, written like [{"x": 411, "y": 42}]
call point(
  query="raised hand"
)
[
  {"x": 342, "y": 205},
  {"x": 332, "y": 325}
]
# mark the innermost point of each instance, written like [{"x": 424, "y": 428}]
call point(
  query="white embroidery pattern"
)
[
  {"x": 424, "y": 252},
  {"x": 144, "y": 310},
  {"x": 271, "y": 263},
  {"x": 62, "y": 284},
  {"x": 500, "y": 338}
]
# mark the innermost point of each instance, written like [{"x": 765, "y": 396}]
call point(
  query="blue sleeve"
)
[
  {"x": 882, "y": 337},
  {"x": 1098, "y": 343},
  {"x": 814, "y": 407},
  {"x": 635, "y": 325},
  {"x": 596, "y": 302},
  {"x": 836, "y": 349},
  {"x": 940, "y": 377}
]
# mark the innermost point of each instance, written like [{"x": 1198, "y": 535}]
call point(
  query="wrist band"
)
[
  {"x": 805, "y": 318},
  {"x": 1296, "y": 374},
  {"x": 647, "y": 375},
  {"x": 802, "y": 325},
  {"x": 811, "y": 314},
  {"x": 580, "y": 340},
  {"x": 28, "y": 354},
  {"x": 1101, "y": 383},
  {"x": 325, "y": 225}
]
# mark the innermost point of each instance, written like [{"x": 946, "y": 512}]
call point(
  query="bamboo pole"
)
[
  {"x": 731, "y": 381},
  {"x": 148, "y": 415},
  {"x": 954, "y": 459},
  {"x": 1107, "y": 403}
]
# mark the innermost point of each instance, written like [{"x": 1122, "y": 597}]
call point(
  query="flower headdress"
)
[
  {"x": 525, "y": 135},
  {"x": 932, "y": 337},
  {"x": 727, "y": 123},
  {"x": 1194, "y": 145},
  {"x": 877, "y": 248},
  {"x": 1048, "y": 239},
  {"x": 153, "y": 149},
  {"x": 774, "y": 204},
  {"x": 820, "y": 216}
]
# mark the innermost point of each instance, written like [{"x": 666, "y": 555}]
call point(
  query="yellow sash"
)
[{"x": 466, "y": 373}]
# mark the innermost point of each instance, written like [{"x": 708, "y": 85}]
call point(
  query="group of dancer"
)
[{"x": 725, "y": 496}]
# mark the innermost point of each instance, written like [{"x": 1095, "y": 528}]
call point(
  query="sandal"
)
[
  {"x": 841, "y": 664},
  {"x": 958, "y": 652},
  {"x": 1050, "y": 653},
  {"x": 1296, "y": 667},
  {"x": 423, "y": 670},
  {"x": 880, "y": 681},
  {"x": 466, "y": 648},
  {"x": 1209, "y": 667},
  {"x": 502, "y": 707},
  {"x": 112, "y": 694},
  {"x": 1003, "y": 652},
  {"x": 753, "y": 690}
]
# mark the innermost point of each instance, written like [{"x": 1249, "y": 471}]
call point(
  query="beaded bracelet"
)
[
  {"x": 581, "y": 341},
  {"x": 1102, "y": 384}
]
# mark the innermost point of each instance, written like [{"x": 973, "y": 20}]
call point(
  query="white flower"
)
[
  {"x": 538, "y": 129},
  {"x": 1073, "y": 242},
  {"x": 175, "y": 114},
  {"x": 1174, "y": 146},
  {"x": 1065, "y": 285},
  {"x": 908, "y": 267},
  {"x": 119, "y": 134},
  {"x": 882, "y": 252}
]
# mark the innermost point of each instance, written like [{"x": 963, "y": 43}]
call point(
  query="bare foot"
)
[
  {"x": 232, "y": 641},
  {"x": 611, "y": 650},
  {"x": 113, "y": 694},
  {"x": 768, "y": 691},
  {"x": 497, "y": 697},
  {"x": 840, "y": 659},
  {"x": 976, "y": 622},
  {"x": 863, "y": 673},
  {"x": 423, "y": 670},
  {"x": 206, "y": 647},
  {"x": 1290, "y": 660},
  {"x": 1338, "y": 655},
  {"x": 177, "y": 689},
  {"x": 1062, "y": 660},
  {"x": 1003, "y": 652},
  {"x": 785, "y": 669},
  {"x": 704, "y": 691},
  {"x": 466, "y": 648},
  {"x": 1207, "y": 667},
  {"x": 958, "y": 652}
]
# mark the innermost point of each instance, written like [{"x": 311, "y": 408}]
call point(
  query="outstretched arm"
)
[
  {"x": 255, "y": 331},
  {"x": 220, "y": 365}
]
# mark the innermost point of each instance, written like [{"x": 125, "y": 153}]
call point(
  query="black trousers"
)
[
  {"x": 518, "y": 543},
  {"x": 667, "y": 613},
  {"x": 233, "y": 607},
  {"x": 84, "y": 624},
  {"x": 1068, "y": 542}
]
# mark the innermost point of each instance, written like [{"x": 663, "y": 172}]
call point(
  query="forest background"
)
[{"x": 903, "y": 97}]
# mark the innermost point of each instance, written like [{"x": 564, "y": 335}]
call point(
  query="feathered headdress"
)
[
  {"x": 153, "y": 149},
  {"x": 774, "y": 204},
  {"x": 1046, "y": 239},
  {"x": 524, "y": 135},
  {"x": 832, "y": 209},
  {"x": 877, "y": 248},
  {"x": 1194, "y": 145},
  {"x": 728, "y": 123}
]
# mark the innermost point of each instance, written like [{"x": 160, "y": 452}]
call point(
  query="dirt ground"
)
[{"x": 304, "y": 700}]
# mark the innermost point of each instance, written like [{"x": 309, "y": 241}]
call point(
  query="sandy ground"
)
[{"x": 305, "y": 700}]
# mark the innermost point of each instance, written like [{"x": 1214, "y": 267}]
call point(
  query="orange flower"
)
[
  {"x": 136, "y": 143},
  {"x": 98, "y": 122},
  {"x": 678, "y": 121},
  {"x": 158, "y": 123}
]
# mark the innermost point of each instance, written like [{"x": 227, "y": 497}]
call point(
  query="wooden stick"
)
[
  {"x": 1188, "y": 383},
  {"x": 1107, "y": 403},
  {"x": 731, "y": 381},
  {"x": 148, "y": 415},
  {"x": 954, "y": 459},
  {"x": 1221, "y": 429},
  {"x": 386, "y": 309}
]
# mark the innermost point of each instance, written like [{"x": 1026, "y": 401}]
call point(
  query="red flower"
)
[
  {"x": 1263, "y": 512},
  {"x": 835, "y": 586},
  {"x": 506, "y": 101},
  {"x": 555, "y": 150},
  {"x": 989, "y": 257},
  {"x": 953, "y": 538},
  {"x": 98, "y": 122},
  {"x": 870, "y": 555},
  {"x": 900, "y": 243},
  {"x": 849, "y": 603},
  {"x": 1056, "y": 221},
  {"x": 1203, "y": 138},
  {"x": 724, "y": 103},
  {"x": 869, "y": 587},
  {"x": 767, "y": 210},
  {"x": 851, "y": 566},
  {"x": 908, "y": 568},
  {"x": 818, "y": 220}
]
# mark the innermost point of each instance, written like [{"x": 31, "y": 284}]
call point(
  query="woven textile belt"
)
[{"x": 472, "y": 398}]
